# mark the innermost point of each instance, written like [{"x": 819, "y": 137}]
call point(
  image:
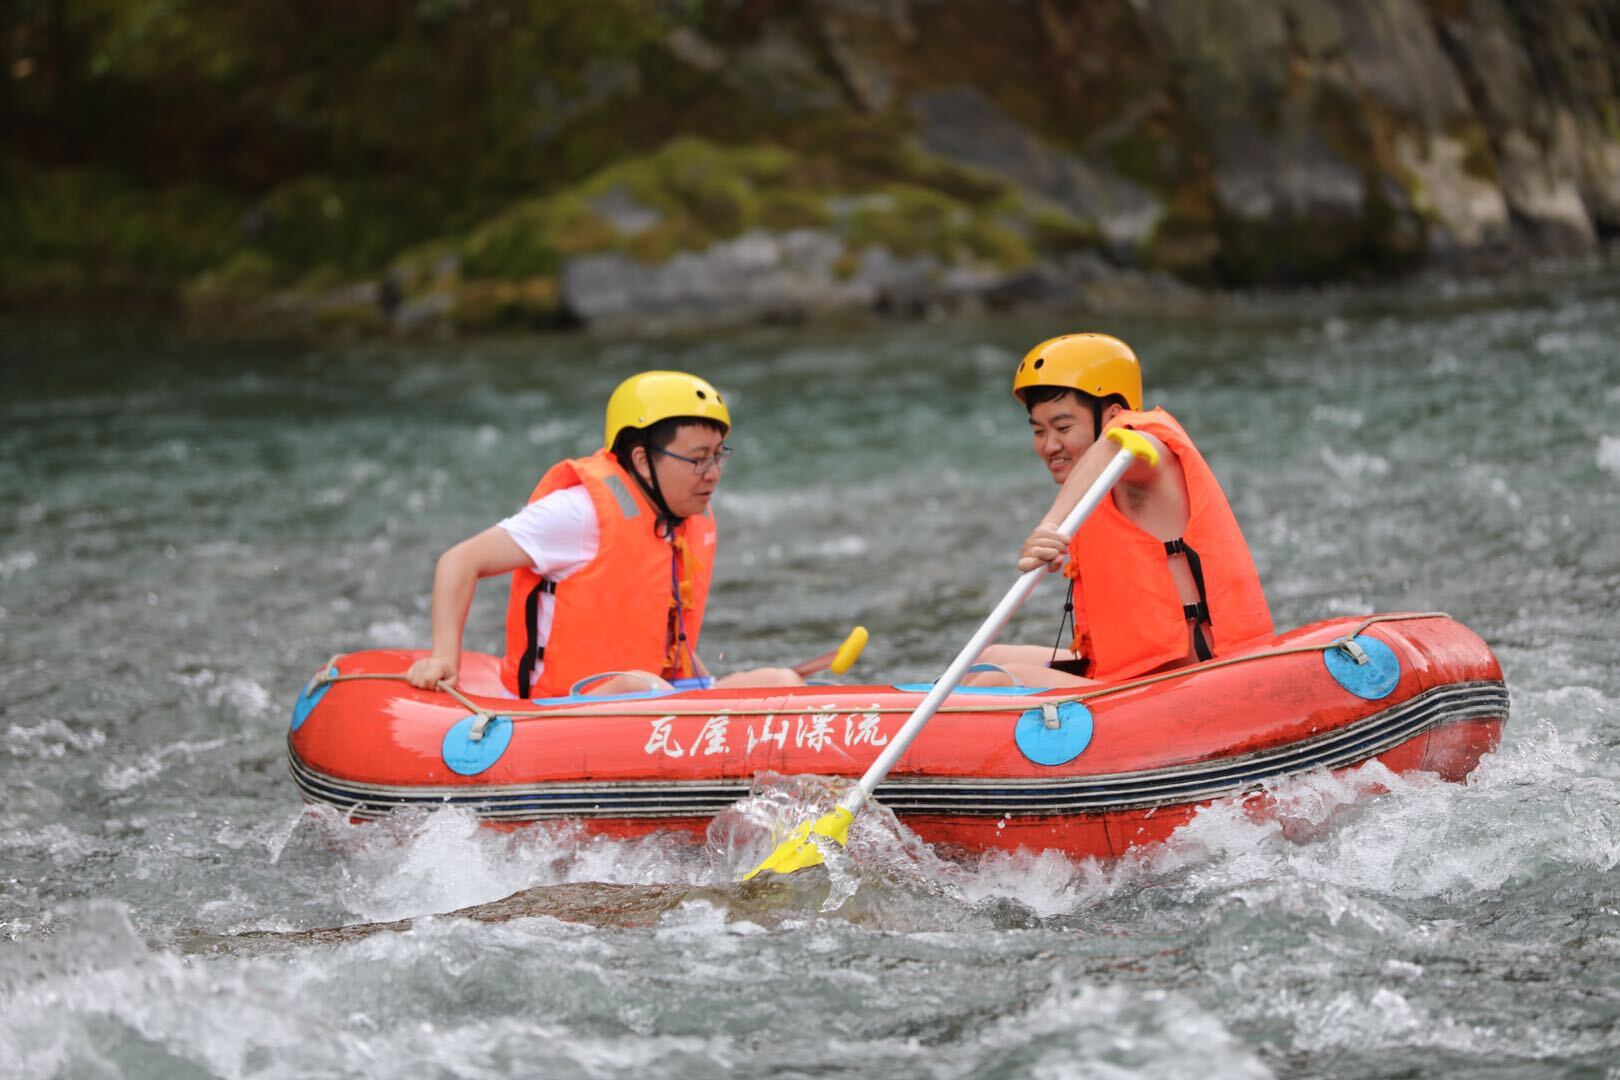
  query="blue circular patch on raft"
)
[
  {"x": 1372, "y": 680},
  {"x": 471, "y": 758},
  {"x": 1054, "y": 745},
  {"x": 307, "y": 701}
]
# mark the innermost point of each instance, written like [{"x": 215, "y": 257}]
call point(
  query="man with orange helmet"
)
[
  {"x": 611, "y": 558},
  {"x": 1159, "y": 575}
]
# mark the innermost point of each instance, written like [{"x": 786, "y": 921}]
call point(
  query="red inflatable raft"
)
[{"x": 1089, "y": 772}]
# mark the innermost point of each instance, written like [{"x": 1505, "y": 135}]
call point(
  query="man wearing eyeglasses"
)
[{"x": 611, "y": 558}]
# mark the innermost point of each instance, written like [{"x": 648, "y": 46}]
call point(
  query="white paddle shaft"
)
[{"x": 983, "y": 636}]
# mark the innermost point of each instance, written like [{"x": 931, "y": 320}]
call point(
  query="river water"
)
[{"x": 187, "y": 531}]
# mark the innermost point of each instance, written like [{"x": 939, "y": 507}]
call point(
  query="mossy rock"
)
[
  {"x": 907, "y": 220},
  {"x": 1057, "y": 232},
  {"x": 972, "y": 186},
  {"x": 345, "y": 320},
  {"x": 247, "y": 275},
  {"x": 319, "y": 280},
  {"x": 690, "y": 170},
  {"x": 530, "y": 302},
  {"x": 910, "y": 220},
  {"x": 1479, "y": 160},
  {"x": 661, "y": 242},
  {"x": 994, "y": 243},
  {"x": 699, "y": 191},
  {"x": 426, "y": 267},
  {"x": 782, "y": 211},
  {"x": 532, "y": 239}
]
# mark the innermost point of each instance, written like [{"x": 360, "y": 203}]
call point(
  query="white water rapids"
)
[{"x": 187, "y": 531}]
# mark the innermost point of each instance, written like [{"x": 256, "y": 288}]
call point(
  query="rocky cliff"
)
[{"x": 453, "y": 164}]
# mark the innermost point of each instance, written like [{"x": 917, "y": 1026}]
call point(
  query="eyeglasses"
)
[{"x": 715, "y": 461}]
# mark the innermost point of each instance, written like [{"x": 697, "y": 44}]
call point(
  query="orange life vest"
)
[
  {"x": 637, "y": 604},
  {"x": 1129, "y": 617}
]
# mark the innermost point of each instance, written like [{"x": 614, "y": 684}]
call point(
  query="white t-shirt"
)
[{"x": 560, "y": 534}]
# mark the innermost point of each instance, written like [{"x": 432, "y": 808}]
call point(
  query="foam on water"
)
[
  {"x": 1307, "y": 896},
  {"x": 1608, "y": 454},
  {"x": 166, "y": 908}
]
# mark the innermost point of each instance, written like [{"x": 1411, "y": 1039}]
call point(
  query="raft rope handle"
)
[
  {"x": 1354, "y": 651},
  {"x": 484, "y": 717},
  {"x": 324, "y": 675},
  {"x": 1345, "y": 642}
]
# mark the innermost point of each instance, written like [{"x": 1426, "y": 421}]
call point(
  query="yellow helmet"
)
[
  {"x": 1094, "y": 364},
  {"x": 643, "y": 400}
]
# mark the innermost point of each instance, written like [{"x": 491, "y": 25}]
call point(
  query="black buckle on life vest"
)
[
  {"x": 1197, "y": 614},
  {"x": 1179, "y": 546}
]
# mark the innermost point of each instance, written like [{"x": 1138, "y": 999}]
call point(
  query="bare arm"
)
[
  {"x": 459, "y": 570},
  {"x": 1045, "y": 545}
]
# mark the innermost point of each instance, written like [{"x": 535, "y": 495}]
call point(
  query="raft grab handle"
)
[{"x": 1348, "y": 646}]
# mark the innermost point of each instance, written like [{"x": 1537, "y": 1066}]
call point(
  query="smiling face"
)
[
  {"x": 686, "y": 491},
  {"x": 1063, "y": 428}
]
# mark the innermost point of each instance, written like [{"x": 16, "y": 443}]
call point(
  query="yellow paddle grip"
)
[
  {"x": 849, "y": 651},
  {"x": 1136, "y": 443}
]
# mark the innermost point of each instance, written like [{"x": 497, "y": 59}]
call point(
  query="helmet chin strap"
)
[{"x": 667, "y": 522}]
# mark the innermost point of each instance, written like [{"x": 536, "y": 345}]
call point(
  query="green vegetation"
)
[
  {"x": 78, "y": 230},
  {"x": 152, "y": 140}
]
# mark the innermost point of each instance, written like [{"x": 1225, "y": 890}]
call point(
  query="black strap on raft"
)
[
  {"x": 533, "y": 651},
  {"x": 1071, "y": 667},
  {"x": 1197, "y": 614}
]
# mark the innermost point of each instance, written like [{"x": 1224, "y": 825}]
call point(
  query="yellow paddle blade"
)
[
  {"x": 849, "y": 651},
  {"x": 799, "y": 851}
]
